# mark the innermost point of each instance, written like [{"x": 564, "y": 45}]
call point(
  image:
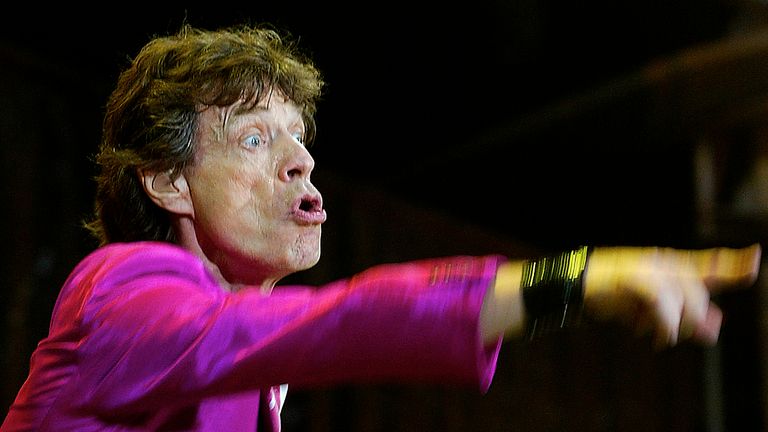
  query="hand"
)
[{"x": 666, "y": 292}]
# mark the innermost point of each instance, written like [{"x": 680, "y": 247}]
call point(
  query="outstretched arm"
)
[{"x": 662, "y": 291}]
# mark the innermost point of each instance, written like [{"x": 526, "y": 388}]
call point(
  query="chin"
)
[
  {"x": 309, "y": 261},
  {"x": 306, "y": 252}
]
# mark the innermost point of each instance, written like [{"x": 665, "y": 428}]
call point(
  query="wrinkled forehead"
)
[{"x": 219, "y": 118}]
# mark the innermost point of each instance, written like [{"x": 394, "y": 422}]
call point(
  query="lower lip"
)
[{"x": 309, "y": 218}]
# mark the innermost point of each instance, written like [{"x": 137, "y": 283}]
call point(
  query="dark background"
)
[
  {"x": 452, "y": 106},
  {"x": 491, "y": 126}
]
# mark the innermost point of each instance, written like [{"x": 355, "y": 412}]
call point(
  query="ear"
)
[{"x": 169, "y": 194}]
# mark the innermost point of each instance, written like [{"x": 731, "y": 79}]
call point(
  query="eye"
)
[
  {"x": 298, "y": 136},
  {"x": 253, "y": 141}
]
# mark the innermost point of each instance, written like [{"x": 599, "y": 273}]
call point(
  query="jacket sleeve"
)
[{"x": 155, "y": 326}]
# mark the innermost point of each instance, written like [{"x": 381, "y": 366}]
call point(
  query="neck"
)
[{"x": 187, "y": 239}]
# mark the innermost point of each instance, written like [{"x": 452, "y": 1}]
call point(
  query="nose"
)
[{"x": 298, "y": 163}]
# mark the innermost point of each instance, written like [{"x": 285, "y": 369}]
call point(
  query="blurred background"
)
[{"x": 517, "y": 127}]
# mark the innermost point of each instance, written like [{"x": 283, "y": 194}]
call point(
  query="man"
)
[{"x": 205, "y": 202}]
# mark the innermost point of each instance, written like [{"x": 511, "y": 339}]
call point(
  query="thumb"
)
[{"x": 708, "y": 331}]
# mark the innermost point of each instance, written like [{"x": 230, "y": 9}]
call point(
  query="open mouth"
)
[
  {"x": 308, "y": 210},
  {"x": 309, "y": 204}
]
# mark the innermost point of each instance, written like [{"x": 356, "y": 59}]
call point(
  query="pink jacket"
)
[{"x": 143, "y": 338}]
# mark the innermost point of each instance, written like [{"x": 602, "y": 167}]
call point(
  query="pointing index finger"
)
[{"x": 725, "y": 268}]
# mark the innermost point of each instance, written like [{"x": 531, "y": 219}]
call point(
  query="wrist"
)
[{"x": 553, "y": 291}]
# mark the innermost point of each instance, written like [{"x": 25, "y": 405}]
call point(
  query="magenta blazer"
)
[{"x": 143, "y": 338}]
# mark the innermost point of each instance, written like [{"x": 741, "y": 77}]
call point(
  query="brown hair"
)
[{"x": 151, "y": 116}]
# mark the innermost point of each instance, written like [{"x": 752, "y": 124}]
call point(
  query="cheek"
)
[
  {"x": 235, "y": 192},
  {"x": 239, "y": 187},
  {"x": 254, "y": 193}
]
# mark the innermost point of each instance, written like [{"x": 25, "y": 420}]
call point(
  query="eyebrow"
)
[{"x": 239, "y": 109}]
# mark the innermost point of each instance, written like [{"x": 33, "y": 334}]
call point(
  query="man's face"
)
[{"x": 256, "y": 215}]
